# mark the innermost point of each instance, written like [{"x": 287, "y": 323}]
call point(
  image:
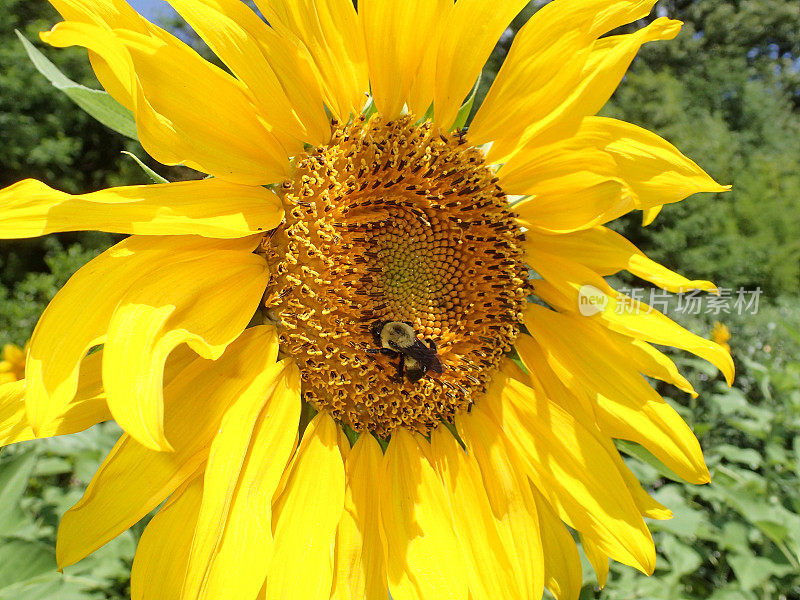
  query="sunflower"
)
[
  {"x": 237, "y": 334},
  {"x": 721, "y": 335},
  {"x": 12, "y": 365}
]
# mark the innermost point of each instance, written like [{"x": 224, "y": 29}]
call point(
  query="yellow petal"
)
[
  {"x": 545, "y": 170},
  {"x": 509, "y": 495},
  {"x": 133, "y": 480},
  {"x": 111, "y": 14},
  {"x": 570, "y": 468},
  {"x": 114, "y": 14},
  {"x": 656, "y": 171},
  {"x": 306, "y": 515},
  {"x": 64, "y": 335},
  {"x": 604, "y": 69},
  {"x": 423, "y": 87},
  {"x": 626, "y": 406},
  {"x": 248, "y": 457},
  {"x": 359, "y": 569},
  {"x": 598, "y": 560},
  {"x": 547, "y": 382},
  {"x": 87, "y": 408},
  {"x": 652, "y": 169},
  {"x": 269, "y": 65},
  {"x": 582, "y": 407},
  {"x": 331, "y": 33},
  {"x": 181, "y": 102},
  {"x": 13, "y": 354},
  {"x": 580, "y": 205},
  {"x": 209, "y": 207},
  {"x": 654, "y": 327},
  {"x": 544, "y": 67},
  {"x": 14, "y": 425},
  {"x": 607, "y": 253},
  {"x": 393, "y": 32},
  {"x": 653, "y": 363},
  {"x": 649, "y": 215},
  {"x": 626, "y": 315},
  {"x": 641, "y": 355},
  {"x": 117, "y": 14},
  {"x": 470, "y": 33},
  {"x": 423, "y": 554},
  {"x": 562, "y": 563},
  {"x": 162, "y": 553},
  {"x": 204, "y": 298},
  {"x": 489, "y": 566}
]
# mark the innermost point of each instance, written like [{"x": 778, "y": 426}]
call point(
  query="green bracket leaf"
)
[
  {"x": 644, "y": 455},
  {"x": 155, "y": 177},
  {"x": 96, "y": 103},
  {"x": 370, "y": 108},
  {"x": 466, "y": 108}
]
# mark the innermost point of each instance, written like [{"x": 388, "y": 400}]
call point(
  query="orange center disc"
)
[{"x": 395, "y": 222}]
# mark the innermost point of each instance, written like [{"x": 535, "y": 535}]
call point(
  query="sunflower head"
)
[
  {"x": 12, "y": 365},
  {"x": 395, "y": 222}
]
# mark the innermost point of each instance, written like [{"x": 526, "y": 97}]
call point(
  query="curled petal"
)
[
  {"x": 207, "y": 301},
  {"x": 133, "y": 480}
]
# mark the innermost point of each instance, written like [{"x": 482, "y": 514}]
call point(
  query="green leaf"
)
[
  {"x": 14, "y": 476},
  {"x": 49, "y": 586},
  {"x": 744, "y": 456},
  {"x": 21, "y": 560},
  {"x": 688, "y": 521},
  {"x": 644, "y": 455},
  {"x": 682, "y": 557},
  {"x": 466, "y": 108},
  {"x": 793, "y": 333},
  {"x": 52, "y": 465},
  {"x": 155, "y": 177},
  {"x": 96, "y": 103},
  {"x": 752, "y": 571},
  {"x": 734, "y": 536}
]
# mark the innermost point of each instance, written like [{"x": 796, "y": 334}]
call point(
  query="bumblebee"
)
[{"x": 398, "y": 339}]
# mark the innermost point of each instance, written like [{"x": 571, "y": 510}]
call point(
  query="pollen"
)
[{"x": 400, "y": 222}]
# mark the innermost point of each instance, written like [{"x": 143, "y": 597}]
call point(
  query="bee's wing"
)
[
  {"x": 424, "y": 356},
  {"x": 436, "y": 364}
]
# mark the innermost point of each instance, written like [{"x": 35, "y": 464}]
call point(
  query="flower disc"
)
[{"x": 395, "y": 222}]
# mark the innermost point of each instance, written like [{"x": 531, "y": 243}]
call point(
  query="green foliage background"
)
[{"x": 726, "y": 92}]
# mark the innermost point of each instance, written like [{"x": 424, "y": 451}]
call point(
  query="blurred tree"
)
[
  {"x": 727, "y": 93},
  {"x": 44, "y": 135}
]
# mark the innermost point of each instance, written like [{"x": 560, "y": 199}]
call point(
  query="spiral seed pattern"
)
[{"x": 395, "y": 222}]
